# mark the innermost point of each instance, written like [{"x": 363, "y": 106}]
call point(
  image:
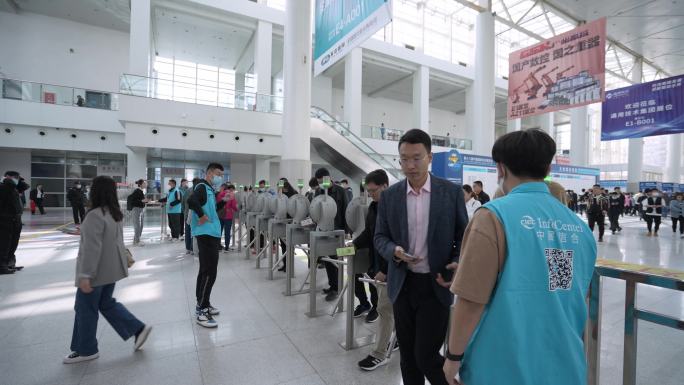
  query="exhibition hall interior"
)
[{"x": 474, "y": 192}]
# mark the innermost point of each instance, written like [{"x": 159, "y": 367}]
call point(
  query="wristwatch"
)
[{"x": 454, "y": 357}]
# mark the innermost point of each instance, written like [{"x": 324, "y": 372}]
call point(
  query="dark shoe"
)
[
  {"x": 75, "y": 358},
  {"x": 600, "y": 240},
  {"x": 17, "y": 268},
  {"x": 371, "y": 363},
  {"x": 613, "y": 232},
  {"x": 372, "y": 316},
  {"x": 361, "y": 310},
  {"x": 283, "y": 269},
  {"x": 326, "y": 291},
  {"x": 321, "y": 265},
  {"x": 332, "y": 295},
  {"x": 6, "y": 271}
]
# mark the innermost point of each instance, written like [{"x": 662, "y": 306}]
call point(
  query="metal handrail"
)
[
  {"x": 112, "y": 101},
  {"x": 631, "y": 274}
]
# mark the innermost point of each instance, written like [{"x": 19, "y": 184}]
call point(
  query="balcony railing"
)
[
  {"x": 393, "y": 134},
  {"x": 52, "y": 94}
]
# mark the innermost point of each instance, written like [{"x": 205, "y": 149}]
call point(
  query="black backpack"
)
[{"x": 129, "y": 202}]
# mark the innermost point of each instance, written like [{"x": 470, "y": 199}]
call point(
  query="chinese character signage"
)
[
  {"x": 341, "y": 25},
  {"x": 565, "y": 71},
  {"x": 646, "y": 109}
]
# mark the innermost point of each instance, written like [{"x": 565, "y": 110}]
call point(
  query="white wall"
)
[
  {"x": 60, "y": 139},
  {"x": 242, "y": 172},
  {"x": 18, "y": 160},
  {"x": 16, "y": 112},
  {"x": 36, "y": 48}
]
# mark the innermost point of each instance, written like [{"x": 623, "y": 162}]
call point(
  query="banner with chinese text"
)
[
  {"x": 646, "y": 109},
  {"x": 565, "y": 71}
]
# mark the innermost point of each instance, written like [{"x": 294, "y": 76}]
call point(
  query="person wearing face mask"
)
[
  {"x": 677, "y": 213},
  {"x": 616, "y": 203},
  {"x": 471, "y": 203},
  {"x": 523, "y": 276},
  {"x": 206, "y": 228},
  {"x": 135, "y": 203},
  {"x": 184, "y": 189},
  {"x": 653, "y": 211},
  {"x": 174, "y": 210},
  {"x": 226, "y": 214},
  {"x": 597, "y": 210},
  {"x": 10, "y": 222},
  {"x": 77, "y": 198}
]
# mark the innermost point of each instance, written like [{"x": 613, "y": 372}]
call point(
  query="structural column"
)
[
  {"x": 262, "y": 57},
  {"x": 635, "y": 152},
  {"x": 140, "y": 38},
  {"x": 421, "y": 98},
  {"x": 482, "y": 106},
  {"x": 674, "y": 158},
  {"x": 579, "y": 132},
  {"x": 513, "y": 125},
  {"x": 296, "y": 156},
  {"x": 136, "y": 164},
  {"x": 352, "y": 89},
  {"x": 546, "y": 124}
]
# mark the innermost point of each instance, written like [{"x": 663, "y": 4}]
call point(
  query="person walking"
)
[
  {"x": 597, "y": 209},
  {"x": 102, "y": 261},
  {"x": 616, "y": 204},
  {"x": 420, "y": 224},
  {"x": 36, "y": 196},
  {"x": 653, "y": 211},
  {"x": 135, "y": 203},
  {"x": 10, "y": 222},
  {"x": 77, "y": 198},
  {"x": 677, "y": 213},
  {"x": 471, "y": 203},
  {"x": 227, "y": 213},
  {"x": 206, "y": 229},
  {"x": 522, "y": 280},
  {"x": 174, "y": 210}
]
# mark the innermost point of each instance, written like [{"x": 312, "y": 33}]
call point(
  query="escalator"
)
[{"x": 338, "y": 146}]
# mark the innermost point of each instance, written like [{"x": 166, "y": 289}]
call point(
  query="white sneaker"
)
[
  {"x": 75, "y": 358},
  {"x": 142, "y": 337},
  {"x": 205, "y": 319}
]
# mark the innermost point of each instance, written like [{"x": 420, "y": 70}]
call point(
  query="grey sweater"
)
[
  {"x": 101, "y": 252},
  {"x": 676, "y": 208}
]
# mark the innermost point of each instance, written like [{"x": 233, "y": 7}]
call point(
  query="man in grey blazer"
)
[{"x": 420, "y": 224}]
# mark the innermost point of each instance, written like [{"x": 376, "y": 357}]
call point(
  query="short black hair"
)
[
  {"x": 477, "y": 182},
  {"x": 262, "y": 182},
  {"x": 183, "y": 180},
  {"x": 313, "y": 182},
  {"x": 417, "y": 136},
  {"x": 596, "y": 185},
  {"x": 525, "y": 153},
  {"x": 467, "y": 188},
  {"x": 140, "y": 182},
  {"x": 377, "y": 177},
  {"x": 616, "y": 188},
  {"x": 321, "y": 172},
  {"x": 231, "y": 187},
  {"x": 196, "y": 181},
  {"x": 172, "y": 181},
  {"x": 344, "y": 181},
  {"x": 214, "y": 166},
  {"x": 12, "y": 174}
]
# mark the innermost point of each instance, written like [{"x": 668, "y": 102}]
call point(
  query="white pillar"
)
[
  {"x": 140, "y": 38},
  {"x": 421, "y": 98},
  {"x": 296, "y": 158},
  {"x": 352, "y": 89},
  {"x": 136, "y": 164},
  {"x": 240, "y": 90},
  {"x": 579, "y": 131},
  {"x": 674, "y": 158},
  {"x": 546, "y": 123},
  {"x": 482, "y": 130},
  {"x": 635, "y": 152},
  {"x": 262, "y": 57},
  {"x": 513, "y": 125}
]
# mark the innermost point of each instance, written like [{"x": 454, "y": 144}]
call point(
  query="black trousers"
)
[
  {"x": 360, "y": 292},
  {"x": 208, "y": 254},
  {"x": 39, "y": 205},
  {"x": 421, "y": 322},
  {"x": 649, "y": 222},
  {"x": 10, "y": 231},
  {"x": 332, "y": 271},
  {"x": 251, "y": 239},
  {"x": 681, "y": 224},
  {"x": 175, "y": 222},
  {"x": 600, "y": 220},
  {"x": 79, "y": 213},
  {"x": 614, "y": 218}
]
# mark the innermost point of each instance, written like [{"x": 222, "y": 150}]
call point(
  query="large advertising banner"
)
[
  {"x": 646, "y": 109},
  {"x": 342, "y": 25},
  {"x": 573, "y": 177},
  {"x": 565, "y": 71}
]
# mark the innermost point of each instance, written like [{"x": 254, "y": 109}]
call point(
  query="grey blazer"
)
[
  {"x": 101, "y": 252},
  {"x": 448, "y": 220}
]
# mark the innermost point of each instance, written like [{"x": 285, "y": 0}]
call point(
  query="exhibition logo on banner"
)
[
  {"x": 565, "y": 71},
  {"x": 342, "y": 25},
  {"x": 646, "y": 109}
]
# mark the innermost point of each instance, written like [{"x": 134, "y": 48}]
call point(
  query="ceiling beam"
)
[
  {"x": 445, "y": 95},
  {"x": 388, "y": 85}
]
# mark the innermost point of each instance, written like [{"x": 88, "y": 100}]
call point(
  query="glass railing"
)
[
  {"x": 343, "y": 129},
  {"x": 457, "y": 143},
  {"x": 60, "y": 95},
  {"x": 381, "y": 133},
  {"x": 198, "y": 93}
]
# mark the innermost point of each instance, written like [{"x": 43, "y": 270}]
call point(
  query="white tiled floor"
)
[{"x": 263, "y": 337}]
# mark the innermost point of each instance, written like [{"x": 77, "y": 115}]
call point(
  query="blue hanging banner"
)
[{"x": 646, "y": 109}]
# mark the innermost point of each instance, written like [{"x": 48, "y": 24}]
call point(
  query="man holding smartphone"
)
[{"x": 420, "y": 223}]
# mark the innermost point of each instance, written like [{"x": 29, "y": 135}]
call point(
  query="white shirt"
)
[
  {"x": 418, "y": 216},
  {"x": 471, "y": 206}
]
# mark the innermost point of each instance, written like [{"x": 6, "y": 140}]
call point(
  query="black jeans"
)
[
  {"x": 360, "y": 292},
  {"x": 332, "y": 271},
  {"x": 175, "y": 224},
  {"x": 208, "y": 254},
  {"x": 614, "y": 218},
  {"x": 600, "y": 220},
  {"x": 39, "y": 205},
  {"x": 251, "y": 239},
  {"x": 79, "y": 213},
  {"x": 10, "y": 231},
  {"x": 681, "y": 224},
  {"x": 649, "y": 222},
  {"x": 421, "y": 322}
]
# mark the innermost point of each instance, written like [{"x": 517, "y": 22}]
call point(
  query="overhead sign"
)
[
  {"x": 646, "y": 109},
  {"x": 342, "y": 25},
  {"x": 565, "y": 71}
]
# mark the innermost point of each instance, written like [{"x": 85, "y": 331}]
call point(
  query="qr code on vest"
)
[{"x": 560, "y": 268}]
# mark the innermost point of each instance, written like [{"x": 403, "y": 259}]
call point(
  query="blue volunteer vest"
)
[
  {"x": 177, "y": 209},
  {"x": 211, "y": 227},
  {"x": 531, "y": 330}
]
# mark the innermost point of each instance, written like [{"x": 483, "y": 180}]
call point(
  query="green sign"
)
[
  {"x": 346, "y": 251},
  {"x": 300, "y": 183},
  {"x": 326, "y": 182}
]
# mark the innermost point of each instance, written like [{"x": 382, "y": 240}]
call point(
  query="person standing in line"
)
[
  {"x": 521, "y": 283},
  {"x": 345, "y": 185},
  {"x": 206, "y": 228},
  {"x": 77, "y": 198},
  {"x": 10, "y": 222},
  {"x": 184, "y": 189},
  {"x": 101, "y": 262},
  {"x": 597, "y": 209},
  {"x": 135, "y": 203},
  {"x": 187, "y": 215},
  {"x": 616, "y": 204},
  {"x": 288, "y": 191},
  {"x": 471, "y": 203},
  {"x": 227, "y": 213},
  {"x": 480, "y": 195},
  {"x": 174, "y": 212},
  {"x": 252, "y": 232},
  {"x": 37, "y": 195},
  {"x": 313, "y": 188},
  {"x": 653, "y": 211},
  {"x": 677, "y": 213},
  {"x": 420, "y": 224}
]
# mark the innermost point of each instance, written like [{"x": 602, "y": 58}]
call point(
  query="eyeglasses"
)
[
  {"x": 372, "y": 190},
  {"x": 403, "y": 161}
]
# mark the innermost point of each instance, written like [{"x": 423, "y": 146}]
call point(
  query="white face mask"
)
[{"x": 500, "y": 183}]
